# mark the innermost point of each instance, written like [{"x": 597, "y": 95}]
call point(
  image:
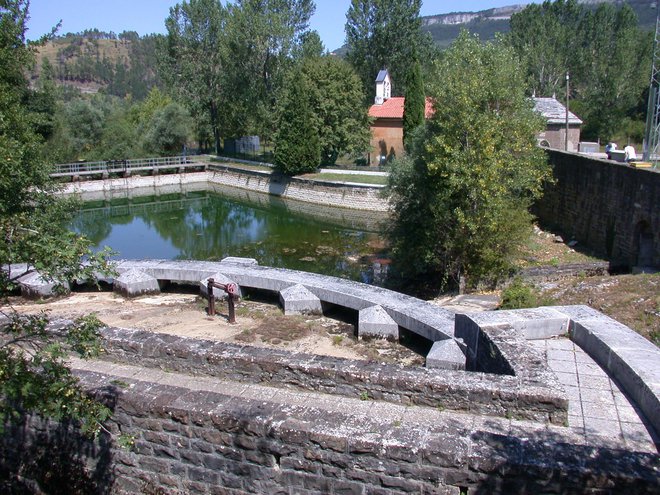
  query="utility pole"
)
[
  {"x": 566, "y": 140},
  {"x": 652, "y": 134}
]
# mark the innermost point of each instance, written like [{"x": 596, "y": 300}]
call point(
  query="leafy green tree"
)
[
  {"x": 33, "y": 373},
  {"x": 311, "y": 45},
  {"x": 297, "y": 146},
  {"x": 601, "y": 48},
  {"x": 336, "y": 99},
  {"x": 461, "y": 202},
  {"x": 415, "y": 105},
  {"x": 192, "y": 62},
  {"x": 168, "y": 130},
  {"x": 262, "y": 37},
  {"x": 384, "y": 34}
]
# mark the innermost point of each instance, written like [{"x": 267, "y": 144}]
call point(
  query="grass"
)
[
  {"x": 355, "y": 178},
  {"x": 633, "y": 300}
]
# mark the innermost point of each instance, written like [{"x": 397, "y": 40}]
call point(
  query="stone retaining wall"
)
[
  {"x": 354, "y": 196},
  {"x": 534, "y": 394},
  {"x": 200, "y": 442},
  {"x": 611, "y": 208}
]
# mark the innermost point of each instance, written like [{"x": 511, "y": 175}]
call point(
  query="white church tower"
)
[{"x": 383, "y": 87}]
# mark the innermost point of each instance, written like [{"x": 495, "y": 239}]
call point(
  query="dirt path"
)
[{"x": 257, "y": 323}]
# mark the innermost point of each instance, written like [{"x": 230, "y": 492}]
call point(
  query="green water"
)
[{"x": 210, "y": 226}]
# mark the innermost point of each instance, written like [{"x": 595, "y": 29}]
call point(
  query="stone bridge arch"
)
[{"x": 643, "y": 245}]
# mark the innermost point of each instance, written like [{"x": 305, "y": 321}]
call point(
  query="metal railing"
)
[{"x": 122, "y": 166}]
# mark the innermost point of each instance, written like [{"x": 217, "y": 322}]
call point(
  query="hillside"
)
[
  {"x": 444, "y": 28},
  {"x": 93, "y": 60}
]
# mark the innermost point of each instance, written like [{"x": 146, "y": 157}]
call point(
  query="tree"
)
[
  {"x": 461, "y": 201},
  {"x": 414, "y": 107},
  {"x": 592, "y": 45},
  {"x": 168, "y": 130},
  {"x": 297, "y": 147},
  {"x": 336, "y": 100},
  {"x": 33, "y": 373},
  {"x": 384, "y": 34},
  {"x": 262, "y": 37},
  {"x": 192, "y": 62}
]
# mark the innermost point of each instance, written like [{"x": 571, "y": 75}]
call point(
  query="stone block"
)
[
  {"x": 447, "y": 355},
  {"x": 532, "y": 324},
  {"x": 218, "y": 294},
  {"x": 298, "y": 300},
  {"x": 34, "y": 286},
  {"x": 375, "y": 322},
  {"x": 134, "y": 283}
]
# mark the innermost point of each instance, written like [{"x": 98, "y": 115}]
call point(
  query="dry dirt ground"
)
[{"x": 257, "y": 323}]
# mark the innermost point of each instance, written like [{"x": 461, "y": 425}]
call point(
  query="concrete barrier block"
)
[
  {"x": 375, "y": 322},
  {"x": 298, "y": 300},
  {"x": 446, "y": 355},
  {"x": 134, "y": 283},
  {"x": 34, "y": 286},
  {"x": 218, "y": 294}
]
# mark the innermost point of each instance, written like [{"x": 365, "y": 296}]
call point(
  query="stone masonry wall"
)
[
  {"x": 327, "y": 193},
  {"x": 603, "y": 204},
  {"x": 534, "y": 396},
  {"x": 203, "y": 442}
]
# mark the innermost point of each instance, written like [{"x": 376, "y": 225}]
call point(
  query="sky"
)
[{"x": 148, "y": 16}]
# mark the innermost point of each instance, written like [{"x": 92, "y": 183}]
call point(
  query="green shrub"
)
[{"x": 519, "y": 295}]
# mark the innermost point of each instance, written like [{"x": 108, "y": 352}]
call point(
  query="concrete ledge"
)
[
  {"x": 375, "y": 322},
  {"x": 133, "y": 283},
  {"x": 297, "y": 300}
]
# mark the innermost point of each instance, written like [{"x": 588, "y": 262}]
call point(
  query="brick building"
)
[{"x": 387, "y": 121}]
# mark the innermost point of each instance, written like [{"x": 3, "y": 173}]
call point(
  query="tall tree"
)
[
  {"x": 415, "y": 105},
  {"x": 297, "y": 146},
  {"x": 384, "y": 34},
  {"x": 261, "y": 38},
  {"x": 33, "y": 374},
  {"x": 336, "y": 99},
  {"x": 461, "y": 202},
  {"x": 192, "y": 61},
  {"x": 592, "y": 45}
]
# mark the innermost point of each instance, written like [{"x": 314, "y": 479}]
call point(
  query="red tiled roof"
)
[{"x": 392, "y": 108}]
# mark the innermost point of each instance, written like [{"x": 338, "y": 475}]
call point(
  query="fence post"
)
[{"x": 211, "y": 308}]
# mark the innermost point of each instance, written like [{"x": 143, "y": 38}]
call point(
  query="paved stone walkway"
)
[{"x": 597, "y": 407}]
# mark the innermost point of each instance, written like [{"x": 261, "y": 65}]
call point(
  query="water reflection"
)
[{"x": 210, "y": 226}]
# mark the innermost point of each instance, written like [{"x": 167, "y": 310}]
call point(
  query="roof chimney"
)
[{"x": 383, "y": 87}]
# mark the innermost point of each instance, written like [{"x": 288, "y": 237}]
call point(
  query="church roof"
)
[
  {"x": 392, "y": 108},
  {"x": 381, "y": 75},
  {"x": 554, "y": 112}
]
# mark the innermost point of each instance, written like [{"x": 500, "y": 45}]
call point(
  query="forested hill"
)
[
  {"x": 94, "y": 60},
  {"x": 445, "y": 27}
]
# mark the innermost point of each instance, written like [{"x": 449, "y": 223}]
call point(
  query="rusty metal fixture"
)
[{"x": 231, "y": 289}]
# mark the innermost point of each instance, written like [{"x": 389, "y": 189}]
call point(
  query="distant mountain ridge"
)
[{"x": 444, "y": 28}]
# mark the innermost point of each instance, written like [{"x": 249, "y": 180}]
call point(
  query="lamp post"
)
[{"x": 566, "y": 140}]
